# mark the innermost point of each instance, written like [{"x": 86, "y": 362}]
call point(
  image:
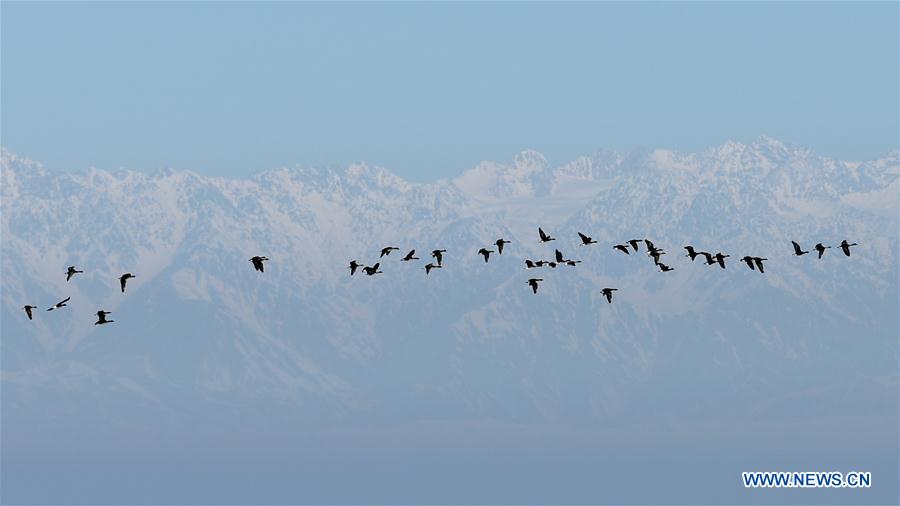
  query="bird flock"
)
[
  {"x": 70, "y": 273},
  {"x": 755, "y": 263}
]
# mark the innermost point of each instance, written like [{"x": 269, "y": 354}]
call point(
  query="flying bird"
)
[
  {"x": 585, "y": 239},
  {"x": 438, "y": 255},
  {"x": 821, "y": 249},
  {"x": 797, "y": 251},
  {"x": 559, "y": 256},
  {"x": 486, "y": 253},
  {"x": 759, "y": 264},
  {"x": 533, "y": 282},
  {"x": 649, "y": 244},
  {"x": 709, "y": 257},
  {"x": 665, "y": 268},
  {"x": 540, "y": 263},
  {"x": 545, "y": 237},
  {"x": 608, "y": 293},
  {"x": 353, "y": 266},
  {"x": 71, "y": 272},
  {"x": 59, "y": 304},
  {"x": 529, "y": 264},
  {"x": 721, "y": 259},
  {"x": 655, "y": 253},
  {"x": 101, "y": 317},
  {"x": 428, "y": 267},
  {"x": 258, "y": 263},
  {"x": 552, "y": 264},
  {"x": 500, "y": 242},
  {"x": 691, "y": 253},
  {"x": 622, "y": 248},
  {"x": 387, "y": 251},
  {"x": 845, "y": 246},
  {"x": 749, "y": 261},
  {"x": 634, "y": 243},
  {"x": 28, "y": 310},
  {"x": 410, "y": 256},
  {"x": 371, "y": 271},
  {"x": 124, "y": 278}
]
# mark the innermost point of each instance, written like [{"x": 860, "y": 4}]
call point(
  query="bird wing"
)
[
  {"x": 559, "y": 256},
  {"x": 64, "y": 301},
  {"x": 584, "y": 238},
  {"x": 122, "y": 281},
  {"x": 796, "y": 247}
]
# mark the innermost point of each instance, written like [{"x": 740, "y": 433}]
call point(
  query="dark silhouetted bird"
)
[
  {"x": 634, "y": 243},
  {"x": 500, "y": 242},
  {"x": 821, "y": 249},
  {"x": 665, "y": 268},
  {"x": 691, "y": 253},
  {"x": 258, "y": 263},
  {"x": 749, "y": 261},
  {"x": 545, "y": 237},
  {"x": 101, "y": 317},
  {"x": 428, "y": 267},
  {"x": 438, "y": 255},
  {"x": 622, "y": 248},
  {"x": 373, "y": 270},
  {"x": 655, "y": 253},
  {"x": 71, "y": 272},
  {"x": 759, "y": 264},
  {"x": 28, "y": 310},
  {"x": 721, "y": 259},
  {"x": 845, "y": 246},
  {"x": 649, "y": 244},
  {"x": 387, "y": 251},
  {"x": 410, "y": 256},
  {"x": 573, "y": 263},
  {"x": 486, "y": 253},
  {"x": 59, "y": 304},
  {"x": 797, "y": 251},
  {"x": 607, "y": 292},
  {"x": 529, "y": 264},
  {"x": 559, "y": 256},
  {"x": 540, "y": 263},
  {"x": 709, "y": 257},
  {"x": 353, "y": 266},
  {"x": 552, "y": 264},
  {"x": 533, "y": 282},
  {"x": 124, "y": 278},
  {"x": 585, "y": 240}
]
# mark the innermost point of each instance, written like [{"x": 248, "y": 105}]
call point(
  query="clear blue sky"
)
[{"x": 428, "y": 90}]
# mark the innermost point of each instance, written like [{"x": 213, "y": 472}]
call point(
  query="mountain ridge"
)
[{"x": 308, "y": 334}]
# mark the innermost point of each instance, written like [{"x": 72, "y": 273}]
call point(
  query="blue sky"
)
[{"x": 428, "y": 90}]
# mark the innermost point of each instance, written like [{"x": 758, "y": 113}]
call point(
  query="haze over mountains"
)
[{"x": 201, "y": 336}]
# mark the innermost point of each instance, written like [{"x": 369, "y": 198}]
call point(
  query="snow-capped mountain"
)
[{"x": 199, "y": 332}]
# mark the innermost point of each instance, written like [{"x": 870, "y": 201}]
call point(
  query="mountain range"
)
[{"x": 201, "y": 336}]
